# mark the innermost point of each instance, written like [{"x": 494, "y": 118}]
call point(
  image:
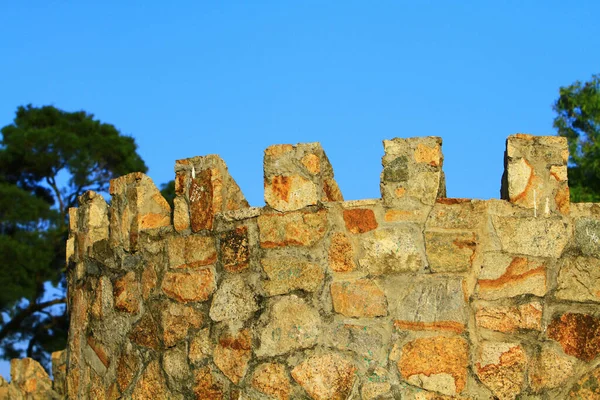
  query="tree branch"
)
[
  {"x": 52, "y": 183},
  {"x": 16, "y": 321}
]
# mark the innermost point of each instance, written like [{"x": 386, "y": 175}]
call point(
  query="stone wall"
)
[{"x": 411, "y": 296}]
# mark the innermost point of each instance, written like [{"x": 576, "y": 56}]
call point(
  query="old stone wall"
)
[{"x": 411, "y": 296}]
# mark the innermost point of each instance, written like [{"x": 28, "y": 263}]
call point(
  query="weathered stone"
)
[
  {"x": 286, "y": 274},
  {"x": 234, "y": 300},
  {"x": 326, "y": 377},
  {"x": 426, "y": 302},
  {"x": 191, "y": 251},
  {"x": 578, "y": 334},
  {"x": 145, "y": 332},
  {"x": 127, "y": 367},
  {"x": 232, "y": 354},
  {"x": 465, "y": 214},
  {"x": 360, "y": 220},
  {"x": 59, "y": 371},
  {"x": 535, "y": 175},
  {"x": 272, "y": 380},
  {"x": 292, "y": 228},
  {"x": 505, "y": 276},
  {"x": 175, "y": 365},
  {"x": 436, "y": 363},
  {"x": 151, "y": 385},
  {"x": 291, "y": 192},
  {"x": 412, "y": 168},
  {"x": 189, "y": 286},
  {"x": 407, "y": 214},
  {"x": 31, "y": 379},
  {"x": 207, "y": 386},
  {"x": 149, "y": 281},
  {"x": 176, "y": 320},
  {"x": 181, "y": 214},
  {"x": 292, "y": 325},
  {"x": 96, "y": 355},
  {"x": 579, "y": 279},
  {"x": 360, "y": 298},
  {"x": 372, "y": 390},
  {"x": 587, "y": 236},
  {"x": 541, "y": 237},
  {"x": 588, "y": 387},
  {"x": 393, "y": 250},
  {"x": 136, "y": 206},
  {"x": 90, "y": 220},
  {"x": 510, "y": 319},
  {"x": 126, "y": 292},
  {"x": 369, "y": 341},
  {"x": 235, "y": 250},
  {"x": 341, "y": 253},
  {"x": 549, "y": 369},
  {"x": 200, "y": 346},
  {"x": 450, "y": 251},
  {"x": 501, "y": 367},
  {"x": 103, "y": 302}
]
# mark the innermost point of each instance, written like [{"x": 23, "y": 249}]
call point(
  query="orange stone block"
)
[
  {"x": 361, "y": 298},
  {"x": 326, "y": 377},
  {"x": 189, "y": 286},
  {"x": 292, "y": 228},
  {"x": 271, "y": 379},
  {"x": 232, "y": 355},
  {"x": 341, "y": 254},
  {"x": 360, "y": 220},
  {"x": 578, "y": 334}
]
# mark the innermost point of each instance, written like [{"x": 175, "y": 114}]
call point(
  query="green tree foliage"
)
[
  {"x": 48, "y": 157},
  {"x": 578, "y": 119}
]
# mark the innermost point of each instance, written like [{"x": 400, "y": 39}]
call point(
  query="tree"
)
[
  {"x": 48, "y": 158},
  {"x": 578, "y": 119}
]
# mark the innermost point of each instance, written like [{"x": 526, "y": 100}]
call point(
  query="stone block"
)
[
  {"x": 292, "y": 229},
  {"x": 549, "y": 369},
  {"x": 31, "y": 379},
  {"x": 126, "y": 292},
  {"x": 204, "y": 188},
  {"x": 504, "y": 276},
  {"x": 536, "y": 173},
  {"x": 464, "y": 214},
  {"x": 232, "y": 354},
  {"x": 587, "y": 236},
  {"x": 360, "y": 220},
  {"x": 341, "y": 253},
  {"x": 510, "y": 319},
  {"x": 577, "y": 333},
  {"x": 541, "y": 237},
  {"x": 286, "y": 274},
  {"x": 152, "y": 384},
  {"x": 392, "y": 250},
  {"x": 191, "y": 251},
  {"x": 272, "y": 380},
  {"x": 579, "y": 279},
  {"x": 298, "y": 176},
  {"x": 426, "y": 302},
  {"x": 176, "y": 320},
  {"x": 234, "y": 300},
  {"x": 501, "y": 367},
  {"x": 436, "y": 363},
  {"x": 201, "y": 346},
  {"x": 291, "y": 324},
  {"x": 137, "y": 206},
  {"x": 449, "y": 251},
  {"x": 186, "y": 287},
  {"x": 369, "y": 340},
  {"x": 412, "y": 170},
  {"x": 359, "y": 298},
  {"x": 235, "y": 249},
  {"x": 145, "y": 332},
  {"x": 325, "y": 377}
]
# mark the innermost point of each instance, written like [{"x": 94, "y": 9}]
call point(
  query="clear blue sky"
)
[{"x": 234, "y": 77}]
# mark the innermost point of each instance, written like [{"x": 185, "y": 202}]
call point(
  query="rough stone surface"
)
[
  {"x": 341, "y": 253},
  {"x": 325, "y": 377},
  {"x": 360, "y": 298},
  {"x": 393, "y": 250},
  {"x": 191, "y": 251},
  {"x": 549, "y": 369},
  {"x": 579, "y": 279},
  {"x": 292, "y": 229},
  {"x": 435, "y": 363},
  {"x": 152, "y": 384},
  {"x": 272, "y": 380},
  {"x": 177, "y": 319},
  {"x": 588, "y": 387},
  {"x": 505, "y": 276},
  {"x": 292, "y": 325},
  {"x": 360, "y": 220},
  {"x": 510, "y": 318},
  {"x": 200, "y": 346},
  {"x": 207, "y": 385},
  {"x": 233, "y": 301},
  {"x": 450, "y": 251},
  {"x": 286, "y": 274},
  {"x": 235, "y": 251},
  {"x": 532, "y": 236},
  {"x": 578, "y": 334},
  {"x": 501, "y": 367},
  {"x": 126, "y": 292},
  {"x": 232, "y": 354},
  {"x": 189, "y": 286}
]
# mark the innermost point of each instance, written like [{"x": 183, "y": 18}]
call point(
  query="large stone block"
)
[
  {"x": 233, "y": 301},
  {"x": 232, "y": 354},
  {"x": 501, "y": 367},
  {"x": 360, "y": 298},
  {"x": 272, "y": 380},
  {"x": 510, "y": 319},
  {"x": 536, "y": 173},
  {"x": 189, "y": 286},
  {"x": 298, "y": 176},
  {"x": 326, "y": 377},
  {"x": 579, "y": 279},
  {"x": 136, "y": 206},
  {"x": 541, "y": 237},
  {"x": 295, "y": 228},
  {"x": 286, "y": 274},
  {"x": 449, "y": 251},
  {"x": 204, "y": 188},
  {"x": 577, "y": 333},
  {"x": 412, "y": 171}
]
